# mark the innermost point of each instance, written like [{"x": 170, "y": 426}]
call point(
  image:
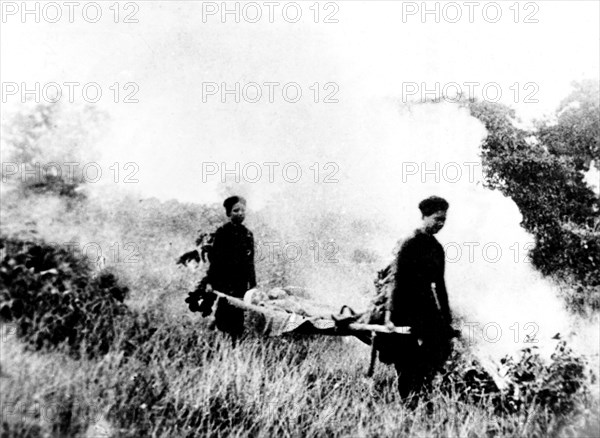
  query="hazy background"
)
[
  {"x": 369, "y": 54},
  {"x": 368, "y": 134}
]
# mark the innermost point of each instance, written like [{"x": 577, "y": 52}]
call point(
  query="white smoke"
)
[
  {"x": 592, "y": 178},
  {"x": 398, "y": 156}
]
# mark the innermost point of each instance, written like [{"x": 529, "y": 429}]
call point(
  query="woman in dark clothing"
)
[
  {"x": 231, "y": 269},
  {"x": 419, "y": 300}
]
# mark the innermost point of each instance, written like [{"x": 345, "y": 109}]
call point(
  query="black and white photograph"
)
[{"x": 308, "y": 218}]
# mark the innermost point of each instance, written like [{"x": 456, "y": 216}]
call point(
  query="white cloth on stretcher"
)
[{"x": 290, "y": 309}]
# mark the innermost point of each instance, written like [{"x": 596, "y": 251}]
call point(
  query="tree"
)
[
  {"x": 39, "y": 140},
  {"x": 558, "y": 208},
  {"x": 575, "y": 130}
]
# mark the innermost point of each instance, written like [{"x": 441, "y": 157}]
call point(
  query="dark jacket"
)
[
  {"x": 419, "y": 298},
  {"x": 231, "y": 267}
]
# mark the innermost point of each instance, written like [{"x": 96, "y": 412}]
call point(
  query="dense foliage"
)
[
  {"x": 576, "y": 131},
  {"x": 541, "y": 170},
  {"x": 560, "y": 385},
  {"x": 53, "y": 299}
]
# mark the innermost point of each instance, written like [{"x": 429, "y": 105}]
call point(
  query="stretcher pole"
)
[{"x": 352, "y": 327}]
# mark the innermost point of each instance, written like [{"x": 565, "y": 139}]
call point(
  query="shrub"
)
[
  {"x": 53, "y": 298},
  {"x": 558, "y": 208},
  {"x": 560, "y": 385}
]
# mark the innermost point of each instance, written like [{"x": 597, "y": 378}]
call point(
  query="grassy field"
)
[
  {"x": 174, "y": 376},
  {"x": 281, "y": 387}
]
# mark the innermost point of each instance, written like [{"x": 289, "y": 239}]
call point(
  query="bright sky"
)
[{"x": 377, "y": 54}]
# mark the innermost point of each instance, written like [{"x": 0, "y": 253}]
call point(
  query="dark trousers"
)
[
  {"x": 229, "y": 319},
  {"x": 417, "y": 364}
]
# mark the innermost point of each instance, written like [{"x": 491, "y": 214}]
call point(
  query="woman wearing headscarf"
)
[
  {"x": 231, "y": 269},
  {"x": 419, "y": 300}
]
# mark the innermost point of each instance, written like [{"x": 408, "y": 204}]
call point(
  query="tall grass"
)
[
  {"x": 275, "y": 387},
  {"x": 168, "y": 374}
]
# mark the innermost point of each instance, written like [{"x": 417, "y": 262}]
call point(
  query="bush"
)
[
  {"x": 558, "y": 208},
  {"x": 53, "y": 298},
  {"x": 560, "y": 386}
]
